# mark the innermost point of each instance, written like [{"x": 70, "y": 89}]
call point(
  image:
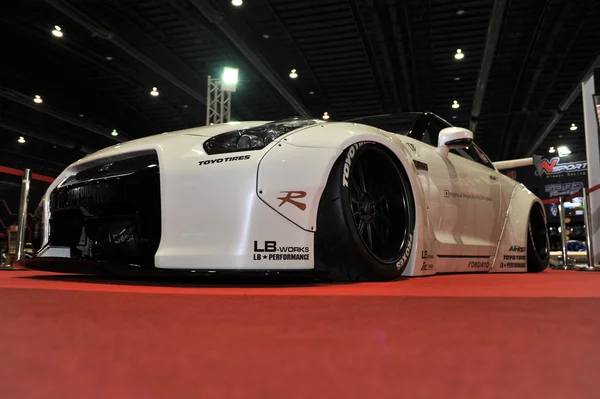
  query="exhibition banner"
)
[{"x": 551, "y": 176}]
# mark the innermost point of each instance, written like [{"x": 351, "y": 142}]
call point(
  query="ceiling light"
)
[
  {"x": 57, "y": 31},
  {"x": 21, "y": 140},
  {"x": 457, "y": 78},
  {"x": 81, "y": 115},
  {"x": 573, "y": 126},
  {"x": 325, "y": 115},
  {"x": 114, "y": 132},
  {"x": 563, "y": 151},
  {"x": 237, "y": 3},
  {"x": 455, "y": 104},
  {"x": 311, "y": 92},
  {"x": 154, "y": 92},
  {"x": 293, "y": 74},
  {"x": 551, "y": 150},
  {"x": 38, "y": 99},
  {"x": 266, "y": 36},
  {"x": 453, "y": 116},
  {"x": 460, "y": 12},
  {"x": 459, "y": 54},
  {"x": 108, "y": 58}
]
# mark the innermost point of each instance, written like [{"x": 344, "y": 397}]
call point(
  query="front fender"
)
[
  {"x": 291, "y": 180},
  {"x": 293, "y": 175}
]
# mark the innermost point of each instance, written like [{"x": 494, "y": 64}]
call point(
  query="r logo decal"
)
[{"x": 291, "y": 197}]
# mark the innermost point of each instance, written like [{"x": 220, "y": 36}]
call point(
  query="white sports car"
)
[{"x": 369, "y": 199}]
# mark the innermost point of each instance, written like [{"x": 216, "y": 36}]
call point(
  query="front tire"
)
[
  {"x": 366, "y": 220},
  {"x": 538, "y": 243}
]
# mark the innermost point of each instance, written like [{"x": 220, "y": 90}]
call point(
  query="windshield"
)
[{"x": 394, "y": 123}]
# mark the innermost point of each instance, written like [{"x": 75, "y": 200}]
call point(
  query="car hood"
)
[
  {"x": 160, "y": 139},
  {"x": 210, "y": 131}
]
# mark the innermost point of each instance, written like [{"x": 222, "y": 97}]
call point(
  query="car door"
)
[
  {"x": 480, "y": 200},
  {"x": 464, "y": 205}
]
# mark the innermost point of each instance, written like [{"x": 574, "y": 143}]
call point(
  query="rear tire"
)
[
  {"x": 538, "y": 243},
  {"x": 366, "y": 219}
]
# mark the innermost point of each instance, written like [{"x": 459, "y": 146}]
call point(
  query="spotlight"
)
[
  {"x": 573, "y": 126},
  {"x": 293, "y": 74},
  {"x": 237, "y": 3},
  {"x": 57, "y": 31},
  {"x": 459, "y": 54},
  {"x": 266, "y": 36},
  {"x": 563, "y": 151},
  {"x": 460, "y": 12},
  {"x": 311, "y": 92},
  {"x": 38, "y": 99},
  {"x": 455, "y": 104},
  {"x": 114, "y": 132},
  {"x": 325, "y": 115},
  {"x": 21, "y": 140},
  {"x": 154, "y": 92},
  {"x": 551, "y": 150},
  {"x": 229, "y": 79}
]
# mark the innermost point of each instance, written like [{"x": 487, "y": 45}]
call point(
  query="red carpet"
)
[{"x": 475, "y": 336}]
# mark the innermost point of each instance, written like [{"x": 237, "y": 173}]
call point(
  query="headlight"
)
[{"x": 254, "y": 138}]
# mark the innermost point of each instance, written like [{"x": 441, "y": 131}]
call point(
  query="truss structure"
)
[{"x": 218, "y": 103}]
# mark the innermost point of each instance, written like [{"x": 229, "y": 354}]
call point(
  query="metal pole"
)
[
  {"x": 491, "y": 41},
  {"x": 587, "y": 217},
  {"x": 563, "y": 230},
  {"x": 25, "y": 183},
  {"x": 208, "y": 100},
  {"x": 228, "y": 113},
  {"x": 564, "y": 105},
  {"x": 221, "y": 105},
  {"x": 590, "y": 89}
]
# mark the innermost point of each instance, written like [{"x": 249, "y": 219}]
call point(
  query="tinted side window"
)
[
  {"x": 474, "y": 154},
  {"x": 433, "y": 132}
]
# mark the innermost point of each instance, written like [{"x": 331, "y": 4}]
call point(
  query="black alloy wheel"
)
[
  {"x": 379, "y": 204},
  {"x": 366, "y": 221}
]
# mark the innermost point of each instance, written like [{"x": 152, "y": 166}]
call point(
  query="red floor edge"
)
[{"x": 463, "y": 336}]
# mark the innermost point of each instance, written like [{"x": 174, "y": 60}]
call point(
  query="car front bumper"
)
[{"x": 192, "y": 212}]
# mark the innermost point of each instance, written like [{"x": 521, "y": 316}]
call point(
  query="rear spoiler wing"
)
[{"x": 513, "y": 163}]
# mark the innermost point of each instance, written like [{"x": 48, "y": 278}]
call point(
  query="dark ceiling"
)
[{"x": 353, "y": 57}]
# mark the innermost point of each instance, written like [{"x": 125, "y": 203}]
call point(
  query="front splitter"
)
[{"x": 76, "y": 266}]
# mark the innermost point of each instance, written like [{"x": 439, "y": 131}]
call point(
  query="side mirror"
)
[{"x": 453, "y": 137}]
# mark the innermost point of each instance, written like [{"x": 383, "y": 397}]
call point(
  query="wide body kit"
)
[{"x": 257, "y": 210}]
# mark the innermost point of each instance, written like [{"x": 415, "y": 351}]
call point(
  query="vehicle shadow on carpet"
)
[
  {"x": 116, "y": 273},
  {"x": 194, "y": 281}
]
